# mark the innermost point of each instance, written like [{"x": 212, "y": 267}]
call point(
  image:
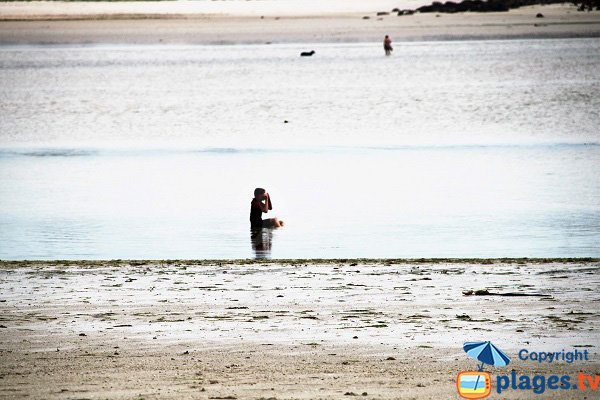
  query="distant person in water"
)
[
  {"x": 261, "y": 203},
  {"x": 387, "y": 45}
]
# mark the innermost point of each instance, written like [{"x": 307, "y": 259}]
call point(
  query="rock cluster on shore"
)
[{"x": 491, "y": 6}]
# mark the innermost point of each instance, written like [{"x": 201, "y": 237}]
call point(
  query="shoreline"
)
[
  {"x": 299, "y": 261},
  {"x": 560, "y": 21}
]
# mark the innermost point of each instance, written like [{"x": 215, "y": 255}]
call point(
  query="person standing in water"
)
[
  {"x": 387, "y": 45},
  {"x": 261, "y": 203}
]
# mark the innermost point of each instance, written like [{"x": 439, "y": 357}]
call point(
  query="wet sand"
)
[
  {"x": 286, "y": 329},
  {"x": 128, "y": 23}
]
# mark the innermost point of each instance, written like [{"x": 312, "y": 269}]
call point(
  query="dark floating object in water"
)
[
  {"x": 539, "y": 15},
  {"x": 307, "y": 53}
]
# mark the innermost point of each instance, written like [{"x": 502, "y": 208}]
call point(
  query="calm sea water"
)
[{"x": 445, "y": 149}]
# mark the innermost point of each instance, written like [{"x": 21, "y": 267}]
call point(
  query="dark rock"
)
[
  {"x": 380, "y": 13},
  {"x": 366, "y": 17},
  {"x": 307, "y": 53},
  {"x": 588, "y": 5},
  {"x": 472, "y": 6},
  {"x": 539, "y": 15}
]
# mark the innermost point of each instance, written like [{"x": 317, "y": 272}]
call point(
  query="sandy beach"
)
[
  {"x": 386, "y": 329},
  {"x": 231, "y": 22}
]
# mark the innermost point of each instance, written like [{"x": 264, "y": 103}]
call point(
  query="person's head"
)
[
  {"x": 259, "y": 193},
  {"x": 386, "y": 36}
]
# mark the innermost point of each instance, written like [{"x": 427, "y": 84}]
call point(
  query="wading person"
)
[{"x": 387, "y": 45}]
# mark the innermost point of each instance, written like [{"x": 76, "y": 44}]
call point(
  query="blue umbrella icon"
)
[{"x": 487, "y": 353}]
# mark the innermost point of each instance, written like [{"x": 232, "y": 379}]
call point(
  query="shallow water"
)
[{"x": 450, "y": 149}]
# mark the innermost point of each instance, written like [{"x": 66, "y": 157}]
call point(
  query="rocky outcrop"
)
[{"x": 491, "y": 6}]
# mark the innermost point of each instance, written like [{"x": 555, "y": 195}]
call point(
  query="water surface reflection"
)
[{"x": 262, "y": 241}]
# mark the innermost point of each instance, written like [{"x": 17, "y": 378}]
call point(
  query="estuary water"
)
[{"x": 445, "y": 149}]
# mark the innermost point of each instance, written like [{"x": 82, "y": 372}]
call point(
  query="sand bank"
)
[
  {"x": 298, "y": 329},
  {"x": 196, "y": 8},
  {"x": 269, "y": 22}
]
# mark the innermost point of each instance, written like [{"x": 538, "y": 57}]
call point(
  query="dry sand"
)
[
  {"x": 229, "y": 22},
  {"x": 285, "y": 330}
]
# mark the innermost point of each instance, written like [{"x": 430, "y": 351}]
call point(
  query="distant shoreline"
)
[{"x": 35, "y": 26}]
